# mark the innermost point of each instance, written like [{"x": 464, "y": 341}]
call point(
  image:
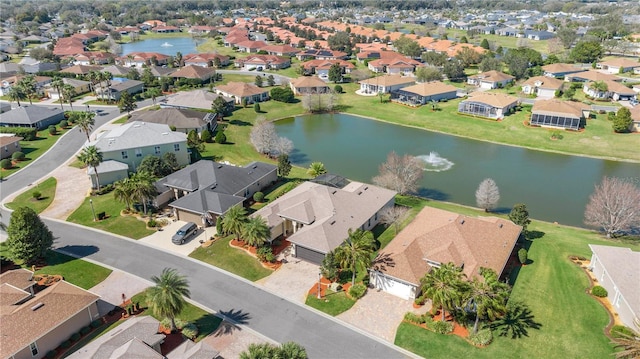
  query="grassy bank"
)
[{"x": 47, "y": 190}]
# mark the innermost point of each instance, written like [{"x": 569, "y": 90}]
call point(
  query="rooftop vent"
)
[
  {"x": 37, "y": 306},
  {"x": 219, "y": 166},
  {"x": 500, "y": 225},
  {"x": 333, "y": 222},
  {"x": 462, "y": 221},
  {"x": 255, "y": 166},
  {"x": 359, "y": 193},
  {"x": 165, "y": 133},
  {"x": 366, "y": 188},
  {"x": 334, "y": 191}
]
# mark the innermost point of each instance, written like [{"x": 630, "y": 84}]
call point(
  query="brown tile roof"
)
[
  {"x": 497, "y": 100},
  {"x": 263, "y": 59},
  {"x": 635, "y": 113},
  {"x": 21, "y": 325},
  {"x": 7, "y": 140},
  {"x": 194, "y": 72},
  {"x": 326, "y": 64},
  {"x": 592, "y": 75},
  {"x": 430, "y": 88},
  {"x": 308, "y": 81},
  {"x": 621, "y": 62},
  {"x": 619, "y": 88},
  {"x": 250, "y": 44},
  {"x": 81, "y": 69},
  {"x": 544, "y": 82},
  {"x": 492, "y": 76},
  {"x": 560, "y": 68},
  {"x": 282, "y": 49},
  {"x": 443, "y": 236},
  {"x": 557, "y": 107},
  {"x": 389, "y": 80},
  {"x": 241, "y": 89}
]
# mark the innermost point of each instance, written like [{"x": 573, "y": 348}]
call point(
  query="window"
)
[
  {"x": 138, "y": 152},
  {"x": 34, "y": 349},
  {"x": 157, "y": 150},
  {"x": 125, "y": 155},
  {"x": 176, "y": 147}
]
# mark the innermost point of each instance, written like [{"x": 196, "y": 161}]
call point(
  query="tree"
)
[
  {"x": 282, "y": 94},
  {"x": 284, "y": 165},
  {"x": 68, "y": 91},
  {"x": 17, "y": 93},
  {"x": 434, "y": 58},
  {"x": 85, "y": 121},
  {"x": 154, "y": 93},
  {"x": 428, "y": 73},
  {"x": 255, "y": 231},
  {"x": 233, "y": 221},
  {"x": 487, "y": 195},
  {"x": 468, "y": 56},
  {"x": 220, "y": 106},
  {"x": 258, "y": 81},
  {"x": 587, "y": 51},
  {"x": 221, "y": 138},
  {"x": 520, "y": 216},
  {"x": 170, "y": 159},
  {"x": 144, "y": 188},
  {"x": 166, "y": 297},
  {"x": 629, "y": 343},
  {"x": 464, "y": 40},
  {"x": 316, "y": 169},
  {"x": 126, "y": 103},
  {"x": 622, "y": 121},
  {"x": 490, "y": 64},
  {"x": 57, "y": 84},
  {"x": 400, "y": 174},
  {"x": 567, "y": 36},
  {"x": 263, "y": 135},
  {"x": 614, "y": 206},
  {"x": 569, "y": 93},
  {"x": 454, "y": 70},
  {"x": 408, "y": 47},
  {"x": 91, "y": 157},
  {"x": 443, "y": 286},
  {"x": 155, "y": 166},
  {"x": 28, "y": 237},
  {"x": 271, "y": 81},
  {"x": 522, "y": 255},
  {"x": 28, "y": 85},
  {"x": 256, "y": 107},
  {"x": 335, "y": 73},
  {"x": 329, "y": 267},
  {"x": 487, "y": 297},
  {"x": 355, "y": 252},
  {"x": 340, "y": 42},
  {"x": 485, "y": 44},
  {"x": 123, "y": 192},
  {"x": 205, "y": 136},
  {"x": 394, "y": 216},
  {"x": 289, "y": 350}
]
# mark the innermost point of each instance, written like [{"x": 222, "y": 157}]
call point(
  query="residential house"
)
[
  {"x": 202, "y": 29},
  {"x": 568, "y": 115},
  {"x": 118, "y": 70},
  {"x": 131, "y": 142},
  {"x": 34, "y": 321},
  {"x": 612, "y": 90},
  {"x": 422, "y": 93},
  {"x": 205, "y": 59},
  {"x": 165, "y": 29},
  {"x": 8, "y": 82},
  {"x": 250, "y": 46},
  {"x": 316, "y": 217},
  {"x": 385, "y": 83},
  {"x": 203, "y": 74},
  {"x": 320, "y": 54},
  {"x": 538, "y": 35},
  {"x": 184, "y": 120},
  {"x": 489, "y": 105},
  {"x": 79, "y": 87},
  {"x": 4, "y": 107},
  {"x": 490, "y": 80},
  {"x": 436, "y": 237},
  {"x": 280, "y": 50},
  {"x": 321, "y": 67},
  {"x": 542, "y": 86},
  {"x": 398, "y": 65},
  {"x": 139, "y": 59},
  {"x": 560, "y": 70},
  {"x": 263, "y": 62},
  {"x": 38, "y": 117},
  {"x": 635, "y": 117},
  {"x": 590, "y": 75},
  {"x": 81, "y": 70},
  {"x": 242, "y": 91},
  {"x": 308, "y": 85},
  {"x": 93, "y": 58},
  {"x": 617, "y": 269},
  {"x": 9, "y": 68},
  {"x": 619, "y": 65},
  {"x": 9, "y": 144},
  {"x": 205, "y": 190},
  {"x": 197, "y": 99},
  {"x": 34, "y": 66},
  {"x": 117, "y": 88}
]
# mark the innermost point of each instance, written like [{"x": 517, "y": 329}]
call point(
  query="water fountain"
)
[
  {"x": 166, "y": 44},
  {"x": 435, "y": 163}
]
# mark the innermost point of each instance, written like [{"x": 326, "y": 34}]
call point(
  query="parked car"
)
[{"x": 184, "y": 232}]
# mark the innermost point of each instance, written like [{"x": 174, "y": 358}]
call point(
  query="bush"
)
[
  {"x": 17, "y": 156},
  {"x": 75, "y": 337},
  {"x": 65, "y": 344},
  {"x": 166, "y": 322},
  {"x": 522, "y": 256},
  {"x": 152, "y": 223},
  {"x": 256, "y": 108},
  {"x": 482, "y": 337},
  {"x": 357, "y": 291},
  {"x": 52, "y": 130},
  {"x": 599, "y": 291},
  {"x": 63, "y": 124},
  {"x": 337, "y": 88},
  {"x": 414, "y": 318},
  {"x": 190, "y": 330},
  {"x": 442, "y": 327},
  {"x": 619, "y": 331},
  {"x": 263, "y": 252},
  {"x": 28, "y": 133},
  {"x": 221, "y": 137},
  {"x": 96, "y": 323},
  {"x": 50, "y": 354},
  {"x": 85, "y": 330},
  {"x": 36, "y": 195},
  {"x": 258, "y": 196},
  {"x": 6, "y": 164},
  {"x": 205, "y": 136}
]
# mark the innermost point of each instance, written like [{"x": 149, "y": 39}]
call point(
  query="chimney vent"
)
[{"x": 37, "y": 306}]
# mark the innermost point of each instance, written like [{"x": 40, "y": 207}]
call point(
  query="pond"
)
[
  {"x": 167, "y": 46},
  {"x": 554, "y": 187}
]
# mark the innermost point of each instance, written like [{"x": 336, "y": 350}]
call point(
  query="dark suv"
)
[{"x": 184, "y": 232}]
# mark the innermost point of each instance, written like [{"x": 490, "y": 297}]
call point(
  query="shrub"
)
[
  {"x": 258, "y": 196},
  {"x": 36, "y": 195},
  {"x": 522, "y": 256},
  {"x": 96, "y": 323},
  {"x": 152, "y": 223},
  {"x": 357, "y": 291},
  {"x": 205, "y": 136},
  {"x": 256, "y": 108},
  {"x": 482, "y": 337},
  {"x": 52, "y": 130},
  {"x": 166, "y": 322},
  {"x": 221, "y": 137},
  {"x": 263, "y": 252},
  {"x": 442, "y": 327},
  {"x": 619, "y": 331},
  {"x": 85, "y": 330},
  {"x": 414, "y": 318},
  {"x": 63, "y": 124},
  {"x": 75, "y": 337},
  {"x": 50, "y": 354},
  {"x": 28, "y": 133},
  {"x": 270, "y": 257},
  {"x": 65, "y": 344},
  {"x": 17, "y": 156},
  {"x": 599, "y": 291},
  {"x": 172, "y": 128},
  {"x": 190, "y": 330},
  {"x": 6, "y": 164},
  {"x": 337, "y": 88}
]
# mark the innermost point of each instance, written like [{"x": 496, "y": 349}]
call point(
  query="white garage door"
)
[
  {"x": 486, "y": 85},
  {"x": 392, "y": 286}
]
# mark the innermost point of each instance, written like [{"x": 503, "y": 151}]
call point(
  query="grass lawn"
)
[
  {"x": 123, "y": 225},
  {"x": 273, "y": 192},
  {"x": 234, "y": 260},
  {"x": 34, "y": 149},
  {"x": 47, "y": 190},
  {"x": 552, "y": 287},
  {"x": 207, "y": 323},
  {"x": 333, "y": 303},
  {"x": 73, "y": 270}
]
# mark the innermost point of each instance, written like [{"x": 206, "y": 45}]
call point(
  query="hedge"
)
[{"x": 28, "y": 133}]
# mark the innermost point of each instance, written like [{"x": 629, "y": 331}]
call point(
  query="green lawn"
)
[
  {"x": 73, "y": 270},
  {"x": 233, "y": 260},
  {"x": 207, "y": 323},
  {"x": 333, "y": 303},
  {"x": 552, "y": 287},
  {"x": 123, "y": 225},
  {"x": 47, "y": 189},
  {"x": 34, "y": 149}
]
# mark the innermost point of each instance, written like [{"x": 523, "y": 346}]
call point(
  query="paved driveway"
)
[
  {"x": 162, "y": 239},
  {"x": 114, "y": 286},
  {"x": 293, "y": 280}
]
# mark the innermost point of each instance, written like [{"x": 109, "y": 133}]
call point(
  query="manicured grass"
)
[
  {"x": 233, "y": 260},
  {"x": 552, "y": 287},
  {"x": 123, "y": 225},
  {"x": 333, "y": 303},
  {"x": 273, "y": 192},
  {"x": 73, "y": 270},
  {"x": 206, "y": 322},
  {"x": 47, "y": 189},
  {"x": 34, "y": 149}
]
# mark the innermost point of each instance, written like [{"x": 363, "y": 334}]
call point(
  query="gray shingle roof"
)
[
  {"x": 30, "y": 115},
  {"x": 174, "y": 117},
  {"x": 193, "y": 99},
  {"x": 108, "y": 166},
  {"x": 623, "y": 266},
  {"x": 191, "y": 350},
  {"x": 137, "y": 135}
]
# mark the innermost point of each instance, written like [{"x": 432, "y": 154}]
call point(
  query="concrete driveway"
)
[
  {"x": 292, "y": 280},
  {"x": 114, "y": 286},
  {"x": 162, "y": 239}
]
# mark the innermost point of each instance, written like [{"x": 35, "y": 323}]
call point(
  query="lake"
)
[
  {"x": 554, "y": 187},
  {"x": 167, "y": 46}
]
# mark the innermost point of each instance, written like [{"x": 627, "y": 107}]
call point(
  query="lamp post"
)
[
  {"x": 319, "y": 289},
  {"x": 92, "y": 210}
]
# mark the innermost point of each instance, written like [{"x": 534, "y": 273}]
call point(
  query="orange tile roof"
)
[
  {"x": 389, "y": 80},
  {"x": 241, "y": 89},
  {"x": 497, "y": 100},
  {"x": 194, "y": 72},
  {"x": 556, "y": 107},
  {"x": 430, "y": 88}
]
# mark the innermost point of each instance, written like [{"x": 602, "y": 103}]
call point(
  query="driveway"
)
[
  {"x": 114, "y": 286},
  {"x": 162, "y": 239},
  {"x": 292, "y": 280},
  {"x": 72, "y": 188},
  {"x": 379, "y": 313}
]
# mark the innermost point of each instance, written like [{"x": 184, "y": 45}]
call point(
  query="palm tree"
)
[
  {"x": 16, "y": 93},
  {"x": 443, "y": 286},
  {"x": 106, "y": 77},
  {"x": 166, "y": 298},
  {"x": 92, "y": 157},
  {"x": 154, "y": 93},
  {"x": 316, "y": 169},
  {"x": 487, "y": 297},
  {"x": 355, "y": 252},
  {"x": 233, "y": 221},
  {"x": 68, "y": 91},
  {"x": 255, "y": 231},
  {"x": 629, "y": 343},
  {"x": 292, "y": 350},
  {"x": 85, "y": 121},
  {"x": 57, "y": 84},
  {"x": 28, "y": 85},
  {"x": 143, "y": 187},
  {"x": 123, "y": 192},
  {"x": 94, "y": 78}
]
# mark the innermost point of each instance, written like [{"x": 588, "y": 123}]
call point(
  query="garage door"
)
[
  {"x": 309, "y": 255},
  {"x": 395, "y": 287}
]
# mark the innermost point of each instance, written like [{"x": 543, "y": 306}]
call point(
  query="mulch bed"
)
[
  {"x": 171, "y": 340},
  {"x": 253, "y": 251},
  {"x": 324, "y": 284}
]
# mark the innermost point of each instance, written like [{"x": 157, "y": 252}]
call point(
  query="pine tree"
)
[
  {"x": 126, "y": 103},
  {"x": 520, "y": 216},
  {"x": 284, "y": 165},
  {"x": 28, "y": 237}
]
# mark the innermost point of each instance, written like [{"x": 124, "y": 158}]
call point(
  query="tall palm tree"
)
[
  {"x": 443, "y": 286},
  {"x": 316, "y": 169},
  {"x": 28, "y": 85},
  {"x": 356, "y": 252},
  {"x": 154, "y": 93},
  {"x": 292, "y": 350},
  {"x": 92, "y": 157},
  {"x": 16, "y": 93},
  {"x": 94, "y": 78},
  {"x": 57, "y": 84},
  {"x": 123, "y": 192},
  {"x": 68, "y": 91},
  {"x": 233, "y": 221},
  {"x": 144, "y": 188},
  {"x": 85, "y": 121},
  {"x": 487, "y": 297},
  {"x": 166, "y": 298},
  {"x": 255, "y": 231},
  {"x": 107, "y": 77}
]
